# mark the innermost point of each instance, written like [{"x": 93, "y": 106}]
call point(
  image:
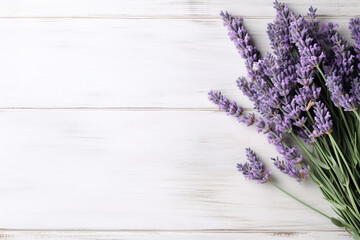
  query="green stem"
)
[
  {"x": 301, "y": 145},
  {"x": 357, "y": 115},
  {"x": 321, "y": 72},
  {"x": 275, "y": 135},
  {"x": 346, "y": 122},
  {"x": 303, "y": 203},
  {"x": 345, "y": 162},
  {"x": 310, "y": 117}
]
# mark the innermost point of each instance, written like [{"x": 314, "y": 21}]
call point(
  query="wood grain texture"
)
[
  {"x": 166, "y": 8},
  {"x": 112, "y": 136},
  {"x": 121, "y": 63},
  {"x": 63, "y": 169},
  {"x": 164, "y": 235}
]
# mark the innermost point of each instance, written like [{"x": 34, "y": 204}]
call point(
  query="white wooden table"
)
[{"x": 106, "y": 131}]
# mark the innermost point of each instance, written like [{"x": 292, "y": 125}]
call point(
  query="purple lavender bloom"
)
[
  {"x": 282, "y": 84},
  {"x": 272, "y": 99},
  {"x": 340, "y": 72},
  {"x": 261, "y": 87},
  {"x": 292, "y": 110},
  {"x": 306, "y": 96},
  {"x": 323, "y": 123},
  {"x": 254, "y": 168},
  {"x": 314, "y": 25},
  {"x": 281, "y": 148},
  {"x": 355, "y": 89},
  {"x": 339, "y": 96},
  {"x": 304, "y": 134},
  {"x": 224, "y": 104},
  {"x": 279, "y": 33},
  {"x": 275, "y": 139},
  {"x": 269, "y": 65},
  {"x": 328, "y": 31},
  {"x": 312, "y": 92},
  {"x": 242, "y": 41},
  {"x": 300, "y": 122},
  {"x": 285, "y": 125},
  {"x": 311, "y": 54},
  {"x": 305, "y": 75},
  {"x": 354, "y": 27},
  {"x": 247, "y": 88},
  {"x": 304, "y": 172},
  {"x": 292, "y": 155},
  {"x": 289, "y": 169},
  {"x": 262, "y": 126},
  {"x": 249, "y": 119},
  {"x": 302, "y": 100},
  {"x": 344, "y": 59}
]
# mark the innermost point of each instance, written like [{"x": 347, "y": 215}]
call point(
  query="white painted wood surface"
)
[
  {"x": 165, "y": 235},
  {"x": 165, "y": 8},
  {"x": 123, "y": 63},
  {"x": 106, "y": 131},
  {"x": 140, "y": 170}
]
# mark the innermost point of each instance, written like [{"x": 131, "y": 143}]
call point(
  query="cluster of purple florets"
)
[
  {"x": 287, "y": 86},
  {"x": 254, "y": 168}
]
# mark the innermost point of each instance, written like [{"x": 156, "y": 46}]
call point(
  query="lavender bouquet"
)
[{"x": 307, "y": 94}]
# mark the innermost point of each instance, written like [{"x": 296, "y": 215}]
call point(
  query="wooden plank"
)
[
  {"x": 165, "y": 8},
  {"x": 175, "y": 170},
  {"x": 120, "y": 63},
  {"x": 160, "y": 235}
]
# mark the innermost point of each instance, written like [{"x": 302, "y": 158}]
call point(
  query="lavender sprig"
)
[
  {"x": 254, "y": 168},
  {"x": 242, "y": 41},
  {"x": 231, "y": 108},
  {"x": 339, "y": 73},
  {"x": 354, "y": 27},
  {"x": 287, "y": 168},
  {"x": 323, "y": 123}
]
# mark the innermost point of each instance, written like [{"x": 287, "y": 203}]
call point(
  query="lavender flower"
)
[
  {"x": 224, "y": 104},
  {"x": 323, "y": 122},
  {"x": 249, "y": 119},
  {"x": 292, "y": 110},
  {"x": 279, "y": 33},
  {"x": 305, "y": 75},
  {"x": 300, "y": 122},
  {"x": 242, "y": 41},
  {"x": 285, "y": 125},
  {"x": 302, "y": 100},
  {"x": 314, "y": 25},
  {"x": 339, "y": 96},
  {"x": 355, "y": 89},
  {"x": 340, "y": 72},
  {"x": 311, "y": 54},
  {"x": 258, "y": 88},
  {"x": 262, "y": 126},
  {"x": 292, "y": 155},
  {"x": 246, "y": 88},
  {"x": 288, "y": 169},
  {"x": 254, "y": 168},
  {"x": 282, "y": 84},
  {"x": 354, "y": 27}
]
